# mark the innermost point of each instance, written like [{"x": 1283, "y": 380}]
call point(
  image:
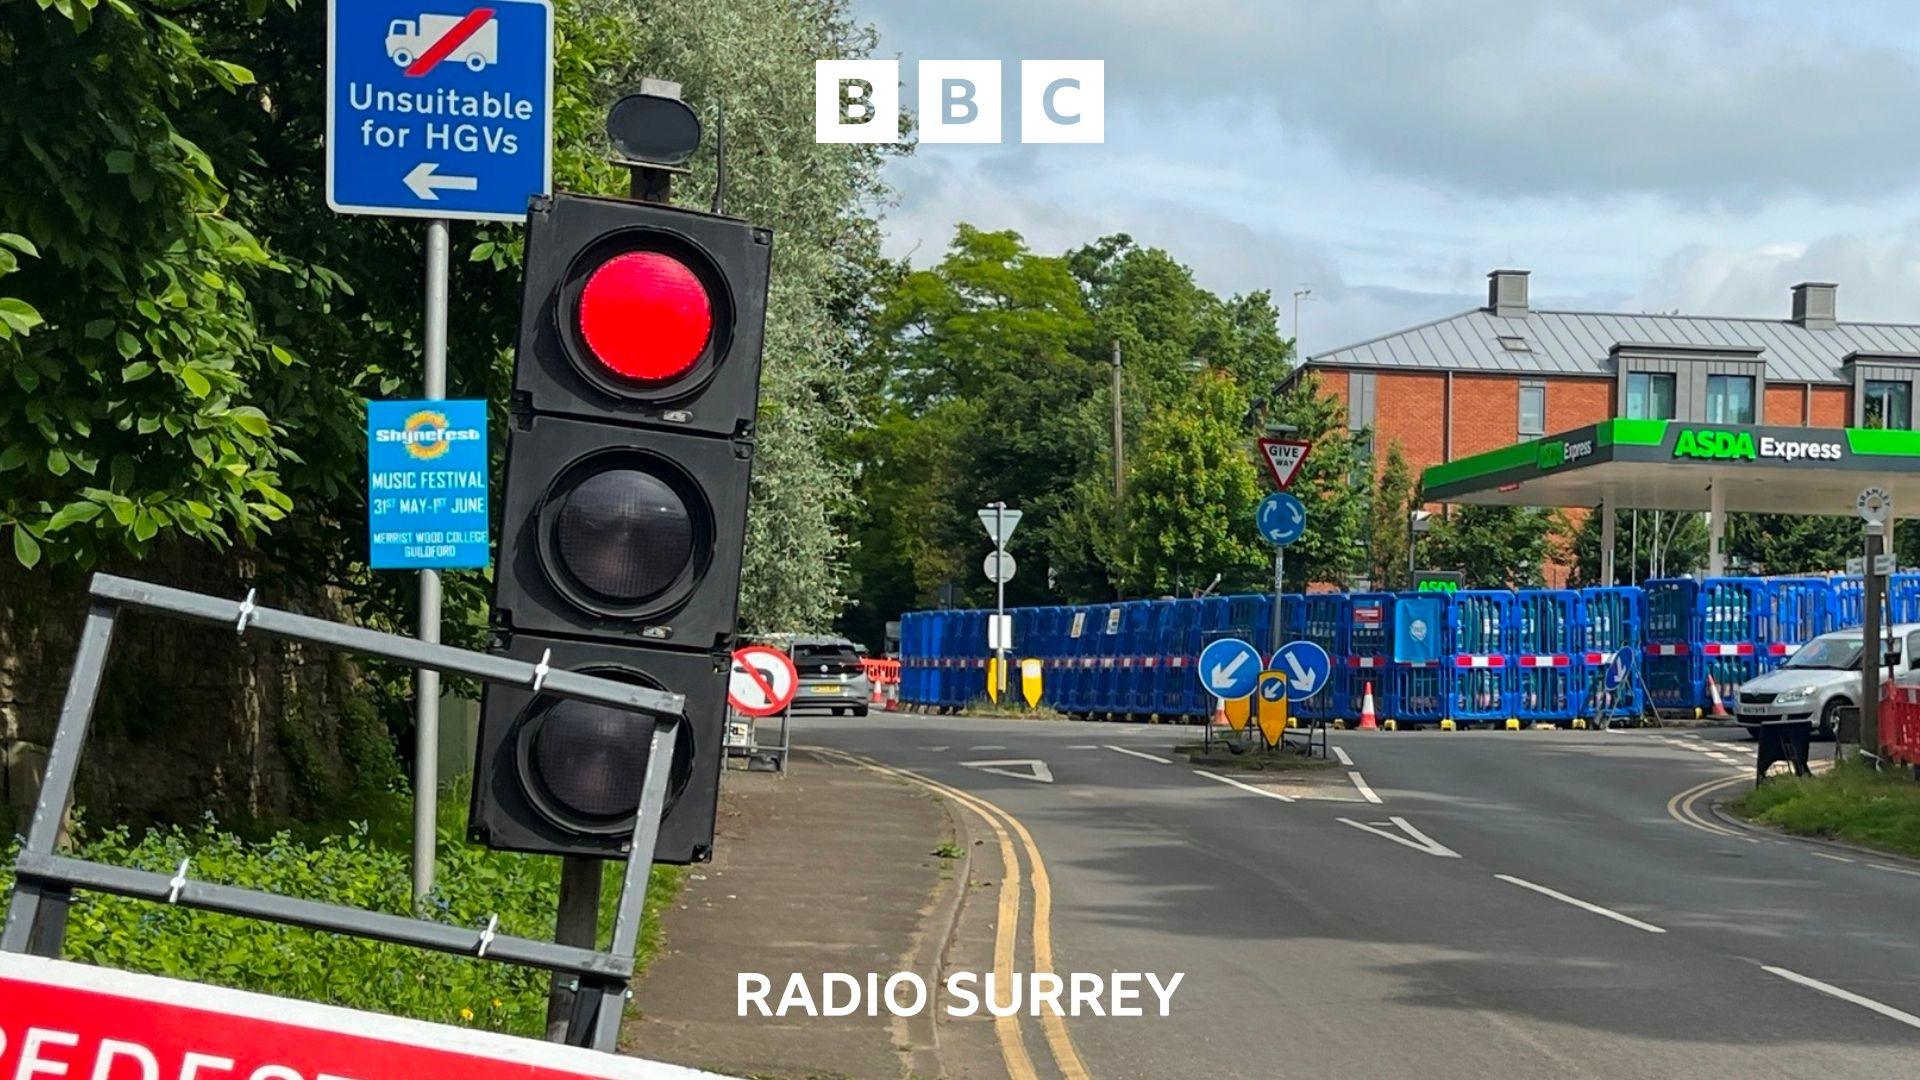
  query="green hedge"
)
[{"x": 473, "y": 883}]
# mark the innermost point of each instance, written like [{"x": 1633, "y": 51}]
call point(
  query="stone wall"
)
[{"x": 192, "y": 717}]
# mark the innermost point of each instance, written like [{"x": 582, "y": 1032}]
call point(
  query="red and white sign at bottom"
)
[{"x": 65, "y": 1021}]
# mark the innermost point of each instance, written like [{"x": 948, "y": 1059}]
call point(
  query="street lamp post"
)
[{"x": 1418, "y": 521}]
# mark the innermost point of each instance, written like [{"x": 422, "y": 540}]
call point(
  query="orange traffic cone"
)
[
  {"x": 1367, "y": 722},
  {"x": 1713, "y": 689},
  {"x": 1219, "y": 718}
]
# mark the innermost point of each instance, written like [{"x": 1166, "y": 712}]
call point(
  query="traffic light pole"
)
[{"x": 426, "y": 681}]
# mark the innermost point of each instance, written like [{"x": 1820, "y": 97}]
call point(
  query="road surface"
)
[{"x": 1453, "y": 905}]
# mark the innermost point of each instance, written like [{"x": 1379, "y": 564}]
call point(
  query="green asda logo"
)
[
  {"x": 1715, "y": 445},
  {"x": 1552, "y": 454}
]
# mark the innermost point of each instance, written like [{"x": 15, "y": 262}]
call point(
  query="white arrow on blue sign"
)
[
  {"x": 1307, "y": 667},
  {"x": 444, "y": 111},
  {"x": 1281, "y": 518},
  {"x": 1229, "y": 668}
]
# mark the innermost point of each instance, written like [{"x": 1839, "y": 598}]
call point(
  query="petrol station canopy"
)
[{"x": 1627, "y": 464}]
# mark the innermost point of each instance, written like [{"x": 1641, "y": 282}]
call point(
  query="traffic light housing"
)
[{"x": 629, "y": 452}]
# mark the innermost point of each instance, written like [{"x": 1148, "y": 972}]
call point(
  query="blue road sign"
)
[
  {"x": 1281, "y": 518},
  {"x": 1307, "y": 667},
  {"x": 1229, "y": 668},
  {"x": 427, "y": 484},
  {"x": 439, "y": 108},
  {"x": 1616, "y": 672},
  {"x": 1272, "y": 687}
]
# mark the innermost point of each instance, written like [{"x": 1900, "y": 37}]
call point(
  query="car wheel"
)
[
  {"x": 860, "y": 711},
  {"x": 1830, "y": 719}
]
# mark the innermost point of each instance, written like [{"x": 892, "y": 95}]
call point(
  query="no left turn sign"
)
[{"x": 763, "y": 681}]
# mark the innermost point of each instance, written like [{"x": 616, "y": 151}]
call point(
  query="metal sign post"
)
[
  {"x": 1281, "y": 519},
  {"x": 1000, "y": 523},
  {"x": 1874, "y": 506},
  {"x": 426, "y": 681}
]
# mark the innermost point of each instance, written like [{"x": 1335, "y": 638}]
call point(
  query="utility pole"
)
[
  {"x": 1297, "y": 294},
  {"x": 1119, "y": 442}
]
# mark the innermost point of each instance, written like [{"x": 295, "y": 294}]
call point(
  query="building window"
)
[
  {"x": 1649, "y": 395},
  {"x": 1360, "y": 400},
  {"x": 1889, "y": 404},
  {"x": 1533, "y": 410},
  {"x": 1729, "y": 399}
]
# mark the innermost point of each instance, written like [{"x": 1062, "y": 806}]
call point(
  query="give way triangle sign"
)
[{"x": 1283, "y": 458}]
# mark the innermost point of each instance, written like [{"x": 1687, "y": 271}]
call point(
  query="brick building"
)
[{"x": 1500, "y": 374}]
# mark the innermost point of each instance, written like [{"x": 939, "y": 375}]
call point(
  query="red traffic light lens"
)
[
  {"x": 625, "y": 535},
  {"x": 645, "y": 316}
]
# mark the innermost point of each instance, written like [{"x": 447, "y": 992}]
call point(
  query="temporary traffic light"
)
[{"x": 635, "y": 388}]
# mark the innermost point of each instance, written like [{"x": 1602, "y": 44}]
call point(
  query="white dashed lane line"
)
[
  {"x": 1341, "y": 754},
  {"x": 1581, "y": 904},
  {"x": 1848, "y": 996},
  {"x": 1361, "y": 786},
  {"x": 1155, "y": 758}
]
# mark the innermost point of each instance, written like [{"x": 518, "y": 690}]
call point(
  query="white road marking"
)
[
  {"x": 1824, "y": 855},
  {"x": 1414, "y": 838},
  {"x": 1365, "y": 791},
  {"x": 1243, "y": 786},
  {"x": 990, "y": 746},
  {"x": 1342, "y": 755},
  {"x": 1155, "y": 758},
  {"x": 1848, "y": 996},
  {"x": 1036, "y": 769},
  {"x": 1581, "y": 904},
  {"x": 1894, "y": 869},
  {"x": 1084, "y": 746},
  {"x": 935, "y": 749}
]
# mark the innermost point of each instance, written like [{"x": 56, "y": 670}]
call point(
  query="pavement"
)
[
  {"x": 830, "y": 868},
  {"x": 1446, "y": 905}
]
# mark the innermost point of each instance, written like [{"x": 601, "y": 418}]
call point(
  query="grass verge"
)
[
  {"x": 1851, "y": 803},
  {"x": 364, "y": 864},
  {"x": 1284, "y": 759}
]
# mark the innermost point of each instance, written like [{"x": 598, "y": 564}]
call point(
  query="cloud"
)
[
  {"x": 1878, "y": 274},
  {"x": 1703, "y": 102}
]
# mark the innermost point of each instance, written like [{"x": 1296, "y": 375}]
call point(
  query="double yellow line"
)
[
  {"x": 1013, "y": 1048},
  {"x": 1683, "y": 807}
]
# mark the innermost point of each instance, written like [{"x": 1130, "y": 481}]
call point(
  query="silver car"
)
[
  {"x": 832, "y": 679},
  {"x": 1817, "y": 681}
]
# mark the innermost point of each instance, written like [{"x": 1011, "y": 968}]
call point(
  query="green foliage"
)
[
  {"x": 351, "y": 869},
  {"x": 1387, "y": 520},
  {"x": 1192, "y": 497},
  {"x": 1498, "y": 547},
  {"x": 1330, "y": 483},
  {"x": 1852, "y": 803},
  {"x": 1792, "y": 543},
  {"x": 991, "y": 376},
  {"x": 135, "y": 408}
]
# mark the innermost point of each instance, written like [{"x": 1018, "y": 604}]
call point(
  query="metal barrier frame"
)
[{"x": 36, "y": 920}]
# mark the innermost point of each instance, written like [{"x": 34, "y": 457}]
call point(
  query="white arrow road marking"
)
[
  {"x": 1360, "y": 785},
  {"x": 1302, "y": 678},
  {"x": 1581, "y": 904},
  {"x": 424, "y": 182},
  {"x": 1887, "y": 1011},
  {"x": 1155, "y": 758},
  {"x": 1243, "y": 786},
  {"x": 1414, "y": 838},
  {"x": 1223, "y": 673},
  {"x": 1036, "y": 769}
]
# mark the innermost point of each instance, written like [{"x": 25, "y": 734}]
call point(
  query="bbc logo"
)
[{"x": 1061, "y": 101}]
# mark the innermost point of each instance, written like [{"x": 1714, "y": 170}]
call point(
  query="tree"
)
[
  {"x": 1193, "y": 489},
  {"x": 1387, "y": 520},
  {"x": 1792, "y": 543},
  {"x": 1497, "y": 547},
  {"x": 1330, "y": 551}
]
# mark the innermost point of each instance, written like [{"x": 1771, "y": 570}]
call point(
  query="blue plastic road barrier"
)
[
  {"x": 1321, "y": 619},
  {"x": 1796, "y": 611},
  {"x": 1731, "y": 616},
  {"x": 1369, "y": 654},
  {"x": 1480, "y": 631},
  {"x": 1418, "y": 693},
  {"x": 1609, "y": 624},
  {"x": 1547, "y": 655},
  {"x": 1672, "y": 633}
]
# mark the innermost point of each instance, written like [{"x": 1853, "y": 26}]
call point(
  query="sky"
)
[{"x": 1698, "y": 157}]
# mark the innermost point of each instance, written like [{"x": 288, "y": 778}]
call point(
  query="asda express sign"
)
[{"x": 1755, "y": 444}]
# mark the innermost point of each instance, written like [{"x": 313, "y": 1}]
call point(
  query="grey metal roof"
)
[{"x": 1579, "y": 343}]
